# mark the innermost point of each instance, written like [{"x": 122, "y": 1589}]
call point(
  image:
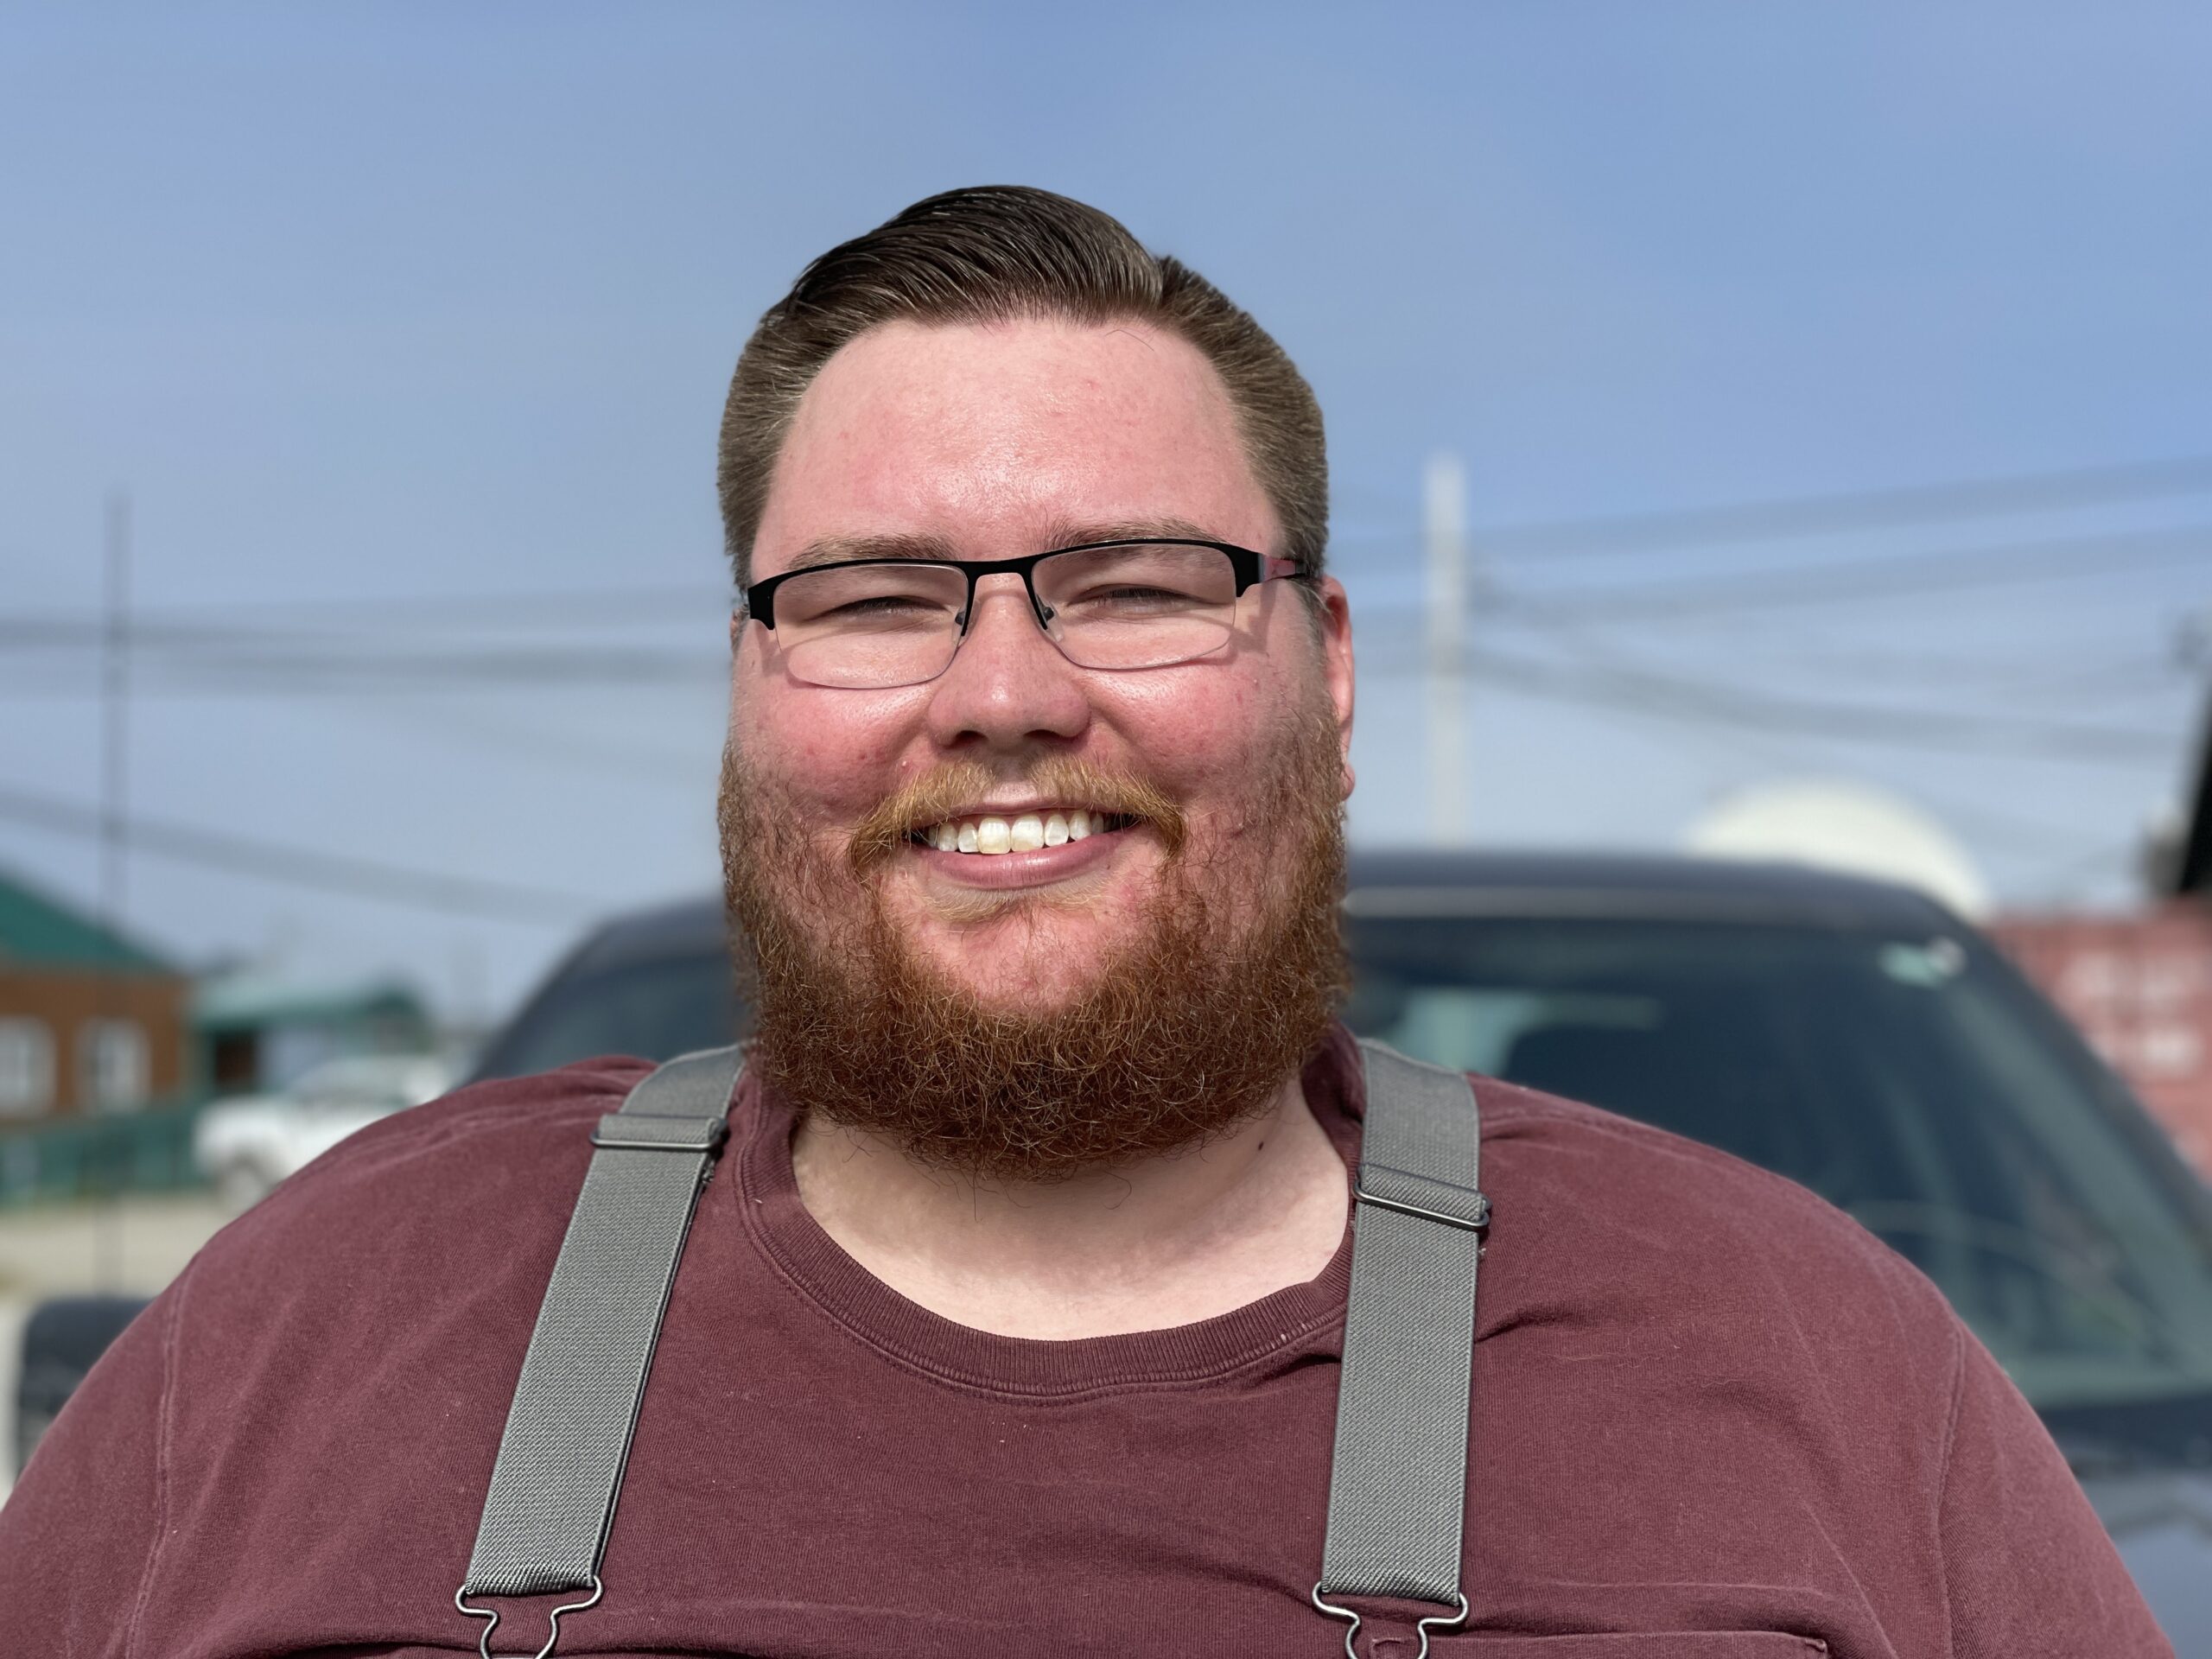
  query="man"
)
[{"x": 1012, "y": 1320}]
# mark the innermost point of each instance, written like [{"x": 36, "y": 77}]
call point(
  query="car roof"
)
[
  {"x": 1453, "y": 883},
  {"x": 679, "y": 927},
  {"x": 1624, "y": 886}
]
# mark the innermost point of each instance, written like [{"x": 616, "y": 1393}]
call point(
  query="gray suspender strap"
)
[
  {"x": 553, "y": 1488},
  {"x": 1398, "y": 1476},
  {"x": 1397, "y": 1482}
]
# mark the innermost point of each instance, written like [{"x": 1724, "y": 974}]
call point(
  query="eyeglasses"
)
[{"x": 873, "y": 624}]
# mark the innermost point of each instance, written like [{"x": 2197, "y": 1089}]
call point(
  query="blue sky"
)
[{"x": 407, "y": 327}]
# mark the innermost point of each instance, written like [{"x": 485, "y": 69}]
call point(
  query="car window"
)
[{"x": 1913, "y": 1081}]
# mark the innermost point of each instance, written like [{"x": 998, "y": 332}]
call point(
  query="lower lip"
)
[{"x": 1034, "y": 868}]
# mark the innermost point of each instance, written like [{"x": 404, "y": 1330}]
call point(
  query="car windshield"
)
[{"x": 1912, "y": 1081}]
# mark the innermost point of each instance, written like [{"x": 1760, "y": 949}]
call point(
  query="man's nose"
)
[{"x": 1008, "y": 684}]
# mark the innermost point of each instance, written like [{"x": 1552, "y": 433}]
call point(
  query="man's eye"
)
[
  {"x": 1130, "y": 600},
  {"x": 881, "y": 609}
]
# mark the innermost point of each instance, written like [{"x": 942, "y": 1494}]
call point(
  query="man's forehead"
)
[{"x": 990, "y": 441}]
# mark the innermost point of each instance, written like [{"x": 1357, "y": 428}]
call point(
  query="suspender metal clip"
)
[
  {"x": 1441, "y": 1621},
  {"x": 484, "y": 1641}
]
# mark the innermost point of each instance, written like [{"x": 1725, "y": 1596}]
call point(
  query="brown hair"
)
[{"x": 999, "y": 251}]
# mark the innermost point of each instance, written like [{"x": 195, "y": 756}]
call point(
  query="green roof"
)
[
  {"x": 43, "y": 932},
  {"x": 248, "y": 1001}
]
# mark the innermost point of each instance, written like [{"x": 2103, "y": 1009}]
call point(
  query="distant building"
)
[
  {"x": 259, "y": 1032},
  {"x": 2140, "y": 988},
  {"x": 90, "y": 1020}
]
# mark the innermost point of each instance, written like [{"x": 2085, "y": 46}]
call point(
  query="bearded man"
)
[{"x": 1016, "y": 1321}]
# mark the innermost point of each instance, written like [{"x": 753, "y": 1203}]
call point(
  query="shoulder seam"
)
[
  {"x": 163, "y": 1437},
  {"x": 1943, "y": 1481}
]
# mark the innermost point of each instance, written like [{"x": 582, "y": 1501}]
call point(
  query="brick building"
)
[
  {"x": 2140, "y": 988},
  {"x": 89, "y": 1020}
]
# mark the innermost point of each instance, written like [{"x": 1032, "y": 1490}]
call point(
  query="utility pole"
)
[
  {"x": 115, "y": 704},
  {"x": 1445, "y": 513},
  {"x": 115, "y": 754}
]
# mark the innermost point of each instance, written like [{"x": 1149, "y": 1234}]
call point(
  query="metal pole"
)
[
  {"x": 1445, "y": 502},
  {"x": 115, "y": 705}
]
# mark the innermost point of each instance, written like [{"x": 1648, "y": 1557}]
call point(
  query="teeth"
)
[{"x": 1024, "y": 832}]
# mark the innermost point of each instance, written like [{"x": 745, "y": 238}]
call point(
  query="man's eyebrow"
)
[
  {"x": 838, "y": 550},
  {"x": 1132, "y": 530}
]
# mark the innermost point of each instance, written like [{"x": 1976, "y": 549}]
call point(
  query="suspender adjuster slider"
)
[
  {"x": 1425, "y": 1196},
  {"x": 652, "y": 1132}
]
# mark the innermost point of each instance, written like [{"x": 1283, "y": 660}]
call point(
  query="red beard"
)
[{"x": 1191, "y": 1029}]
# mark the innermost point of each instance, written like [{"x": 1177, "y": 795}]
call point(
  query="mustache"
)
[{"x": 939, "y": 793}]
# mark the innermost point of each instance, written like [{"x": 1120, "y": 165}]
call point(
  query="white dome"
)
[{"x": 1843, "y": 826}]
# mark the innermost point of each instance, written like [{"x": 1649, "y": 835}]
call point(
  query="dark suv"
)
[{"x": 1856, "y": 1037}]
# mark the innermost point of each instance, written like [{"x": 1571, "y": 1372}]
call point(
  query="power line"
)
[
  {"x": 1953, "y": 731},
  {"x": 1828, "y": 514},
  {"x": 1890, "y": 576},
  {"x": 290, "y": 671},
  {"x": 267, "y": 861},
  {"x": 1727, "y": 523},
  {"x": 233, "y": 659},
  {"x": 1977, "y": 817},
  {"x": 324, "y": 619},
  {"x": 1681, "y": 698}
]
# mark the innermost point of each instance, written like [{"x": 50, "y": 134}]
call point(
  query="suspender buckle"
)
[
  {"x": 656, "y": 1132},
  {"x": 1440, "y": 1620},
  {"x": 484, "y": 1641},
  {"x": 1412, "y": 1194}
]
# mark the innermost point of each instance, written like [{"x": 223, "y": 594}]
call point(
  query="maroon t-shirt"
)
[{"x": 1712, "y": 1417}]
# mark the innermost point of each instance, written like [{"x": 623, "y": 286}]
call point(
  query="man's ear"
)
[{"x": 1332, "y": 617}]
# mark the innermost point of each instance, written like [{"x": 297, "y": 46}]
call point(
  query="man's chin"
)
[
  {"x": 1026, "y": 958},
  {"x": 959, "y": 927}
]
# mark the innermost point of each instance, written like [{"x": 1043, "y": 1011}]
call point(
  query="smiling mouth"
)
[{"x": 988, "y": 835}]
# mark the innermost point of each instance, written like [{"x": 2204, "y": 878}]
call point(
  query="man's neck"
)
[{"x": 1165, "y": 1243}]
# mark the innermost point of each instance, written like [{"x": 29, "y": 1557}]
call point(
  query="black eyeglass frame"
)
[{"x": 1248, "y": 568}]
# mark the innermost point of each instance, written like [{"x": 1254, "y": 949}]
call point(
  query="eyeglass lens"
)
[{"x": 899, "y": 622}]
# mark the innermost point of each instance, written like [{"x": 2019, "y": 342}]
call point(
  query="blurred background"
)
[{"x": 1753, "y": 429}]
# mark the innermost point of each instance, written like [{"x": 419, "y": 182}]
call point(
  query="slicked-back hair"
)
[{"x": 992, "y": 254}]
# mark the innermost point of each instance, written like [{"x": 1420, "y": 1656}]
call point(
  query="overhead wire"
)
[
  {"x": 1782, "y": 517},
  {"x": 338, "y": 873},
  {"x": 1773, "y": 519},
  {"x": 1886, "y": 577},
  {"x": 1687, "y": 698},
  {"x": 285, "y": 648}
]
